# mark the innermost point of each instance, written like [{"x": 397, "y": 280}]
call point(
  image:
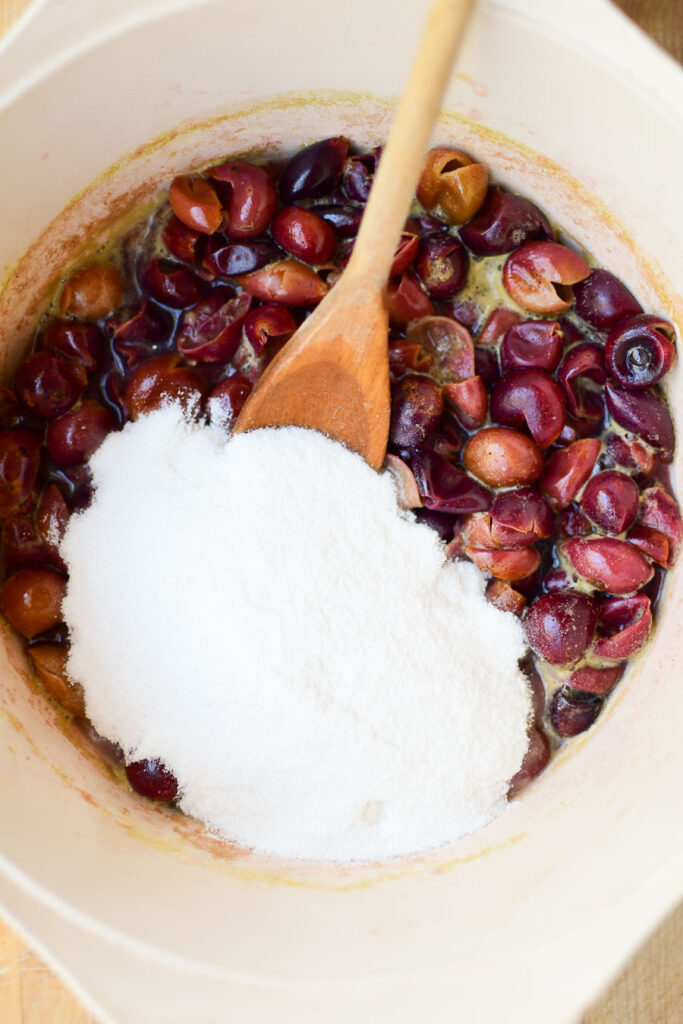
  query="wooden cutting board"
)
[{"x": 649, "y": 991}]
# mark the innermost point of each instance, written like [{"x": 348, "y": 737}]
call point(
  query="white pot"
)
[{"x": 151, "y": 921}]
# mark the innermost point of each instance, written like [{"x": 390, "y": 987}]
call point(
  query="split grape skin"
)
[{"x": 534, "y": 436}]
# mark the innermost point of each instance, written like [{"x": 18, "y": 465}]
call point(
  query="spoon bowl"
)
[{"x": 333, "y": 375}]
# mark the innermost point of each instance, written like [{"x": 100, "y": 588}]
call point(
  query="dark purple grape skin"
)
[
  {"x": 152, "y": 779},
  {"x": 49, "y": 384},
  {"x": 313, "y": 172},
  {"x": 416, "y": 408},
  {"x": 148, "y": 325},
  {"x": 302, "y": 233},
  {"x": 560, "y": 626},
  {"x": 571, "y": 522},
  {"x": 447, "y": 439},
  {"x": 358, "y": 175},
  {"x": 211, "y": 332},
  {"x": 504, "y": 222},
  {"x": 76, "y": 340},
  {"x": 640, "y": 350},
  {"x": 110, "y": 392},
  {"x": 653, "y": 589},
  {"x": 610, "y": 499},
  {"x": 343, "y": 218},
  {"x": 442, "y": 522},
  {"x": 180, "y": 240},
  {"x": 572, "y": 712},
  {"x": 442, "y": 264},
  {"x": 13, "y": 413},
  {"x": 173, "y": 284},
  {"x": 57, "y": 635},
  {"x": 444, "y": 488},
  {"x": 75, "y": 483},
  {"x": 247, "y": 195},
  {"x": 487, "y": 366},
  {"x": 535, "y": 760},
  {"x": 536, "y": 684},
  {"x": 523, "y": 508},
  {"x": 570, "y": 331},
  {"x": 602, "y": 300},
  {"x": 644, "y": 413},
  {"x": 582, "y": 364},
  {"x": 73, "y": 437},
  {"x": 529, "y": 586},
  {"x": 532, "y": 343},
  {"x": 21, "y": 545},
  {"x": 228, "y": 259},
  {"x": 424, "y": 224},
  {"x": 357, "y": 179},
  {"x": 533, "y": 398},
  {"x": 465, "y": 312}
]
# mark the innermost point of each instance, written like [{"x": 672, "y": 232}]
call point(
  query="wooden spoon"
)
[{"x": 333, "y": 375}]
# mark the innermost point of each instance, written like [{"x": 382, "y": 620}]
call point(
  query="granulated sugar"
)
[{"x": 261, "y": 616}]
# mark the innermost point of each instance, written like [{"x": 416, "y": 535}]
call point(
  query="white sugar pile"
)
[{"x": 261, "y": 616}]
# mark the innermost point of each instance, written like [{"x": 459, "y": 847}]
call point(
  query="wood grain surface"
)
[{"x": 650, "y": 989}]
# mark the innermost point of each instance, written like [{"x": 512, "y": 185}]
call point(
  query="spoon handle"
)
[{"x": 401, "y": 161}]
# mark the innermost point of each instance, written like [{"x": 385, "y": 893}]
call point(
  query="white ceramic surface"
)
[{"x": 527, "y": 920}]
